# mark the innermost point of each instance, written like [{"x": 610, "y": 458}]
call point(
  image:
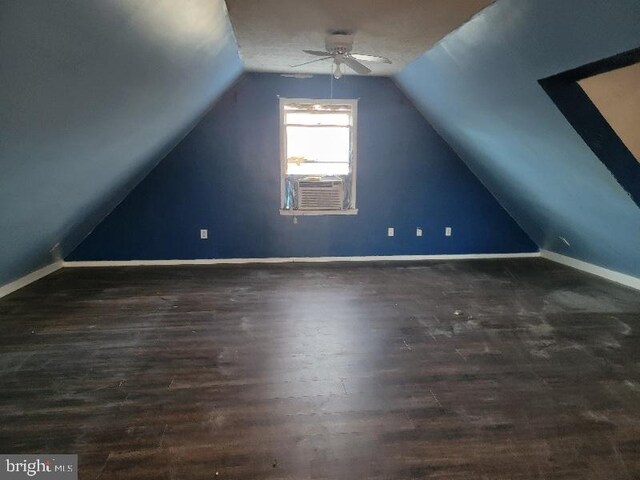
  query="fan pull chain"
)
[{"x": 331, "y": 75}]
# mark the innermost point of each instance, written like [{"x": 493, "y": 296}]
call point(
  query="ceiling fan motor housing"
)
[{"x": 339, "y": 44}]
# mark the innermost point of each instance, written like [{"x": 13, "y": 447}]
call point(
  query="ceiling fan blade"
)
[
  {"x": 310, "y": 61},
  {"x": 356, "y": 66},
  {"x": 317, "y": 53},
  {"x": 361, "y": 57}
]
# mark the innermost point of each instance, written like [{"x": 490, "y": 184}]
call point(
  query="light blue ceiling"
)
[
  {"x": 479, "y": 88},
  {"x": 92, "y": 93}
]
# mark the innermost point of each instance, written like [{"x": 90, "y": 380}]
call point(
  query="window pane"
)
[
  {"x": 314, "y": 151},
  {"x": 318, "y": 118},
  {"x": 318, "y": 169}
]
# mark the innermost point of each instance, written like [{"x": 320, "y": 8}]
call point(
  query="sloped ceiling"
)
[
  {"x": 479, "y": 88},
  {"x": 92, "y": 93},
  {"x": 272, "y": 33}
]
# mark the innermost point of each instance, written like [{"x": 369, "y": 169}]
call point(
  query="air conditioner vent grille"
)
[{"x": 320, "y": 195}]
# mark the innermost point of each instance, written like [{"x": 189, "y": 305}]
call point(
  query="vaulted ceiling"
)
[
  {"x": 94, "y": 93},
  {"x": 479, "y": 88},
  {"x": 271, "y": 34}
]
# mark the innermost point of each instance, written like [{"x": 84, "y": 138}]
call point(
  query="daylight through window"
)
[{"x": 318, "y": 155}]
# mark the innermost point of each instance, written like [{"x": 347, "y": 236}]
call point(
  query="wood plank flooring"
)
[{"x": 501, "y": 369}]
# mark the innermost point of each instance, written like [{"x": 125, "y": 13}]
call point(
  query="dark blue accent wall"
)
[{"x": 224, "y": 176}]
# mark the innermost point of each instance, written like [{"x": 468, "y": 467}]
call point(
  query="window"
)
[
  {"x": 318, "y": 156},
  {"x": 615, "y": 95}
]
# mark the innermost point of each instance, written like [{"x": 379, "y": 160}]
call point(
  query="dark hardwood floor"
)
[{"x": 514, "y": 369}]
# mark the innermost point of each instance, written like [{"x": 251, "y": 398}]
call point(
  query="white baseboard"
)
[
  {"x": 612, "y": 275},
  {"x": 227, "y": 261},
  {"x": 30, "y": 278},
  {"x": 622, "y": 278}
]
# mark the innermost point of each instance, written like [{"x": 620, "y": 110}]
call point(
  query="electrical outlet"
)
[
  {"x": 447, "y": 231},
  {"x": 204, "y": 234},
  {"x": 390, "y": 232},
  {"x": 418, "y": 232}
]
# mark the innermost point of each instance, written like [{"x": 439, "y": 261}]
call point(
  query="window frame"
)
[
  {"x": 353, "y": 103},
  {"x": 572, "y": 102}
]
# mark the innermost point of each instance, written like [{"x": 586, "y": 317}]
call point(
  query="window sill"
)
[{"x": 302, "y": 213}]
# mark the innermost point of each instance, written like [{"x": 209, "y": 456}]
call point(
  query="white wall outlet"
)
[
  {"x": 204, "y": 234},
  {"x": 447, "y": 231},
  {"x": 390, "y": 232},
  {"x": 418, "y": 232}
]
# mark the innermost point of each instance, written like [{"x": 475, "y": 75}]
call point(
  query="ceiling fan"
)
[{"x": 338, "y": 48}]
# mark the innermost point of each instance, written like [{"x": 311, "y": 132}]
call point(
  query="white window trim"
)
[{"x": 353, "y": 102}]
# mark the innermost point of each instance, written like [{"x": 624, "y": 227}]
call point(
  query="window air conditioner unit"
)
[{"x": 320, "y": 194}]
